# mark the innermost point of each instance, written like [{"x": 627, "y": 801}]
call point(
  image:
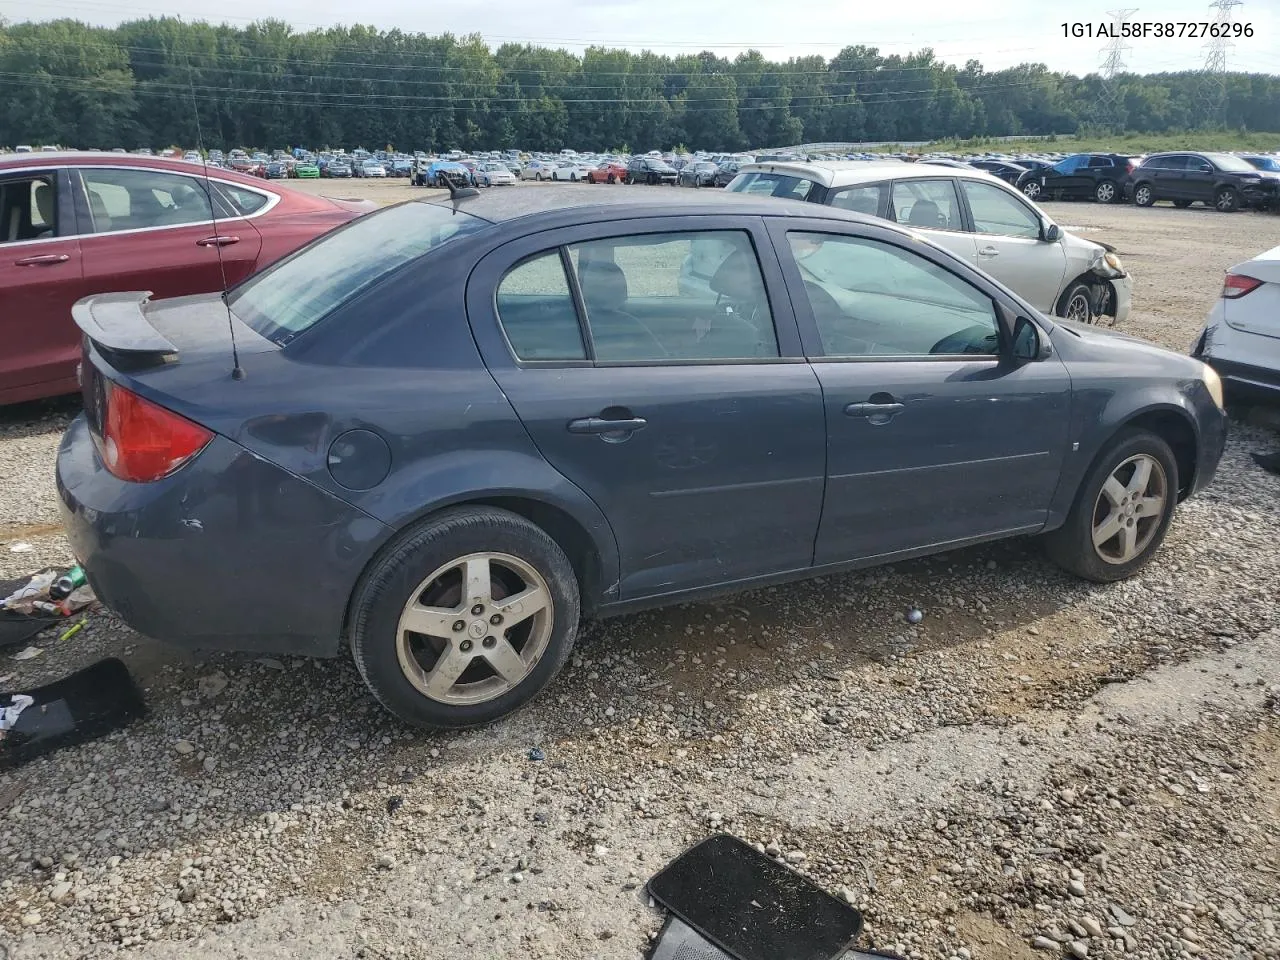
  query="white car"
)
[
  {"x": 372, "y": 168},
  {"x": 572, "y": 170},
  {"x": 1241, "y": 338},
  {"x": 995, "y": 227},
  {"x": 537, "y": 170},
  {"x": 492, "y": 174}
]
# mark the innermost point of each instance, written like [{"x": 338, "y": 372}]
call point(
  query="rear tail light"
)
[
  {"x": 141, "y": 441},
  {"x": 1236, "y": 285}
]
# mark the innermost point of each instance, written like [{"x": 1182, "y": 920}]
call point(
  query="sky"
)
[{"x": 1014, "y": 32}]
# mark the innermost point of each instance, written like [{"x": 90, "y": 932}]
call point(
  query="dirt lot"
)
[{"x": 1040, "y": 768}]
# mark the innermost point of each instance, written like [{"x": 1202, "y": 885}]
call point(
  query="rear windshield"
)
[
  {"x": 301, "y": 290},
  {"x": 772, "y": 185}
]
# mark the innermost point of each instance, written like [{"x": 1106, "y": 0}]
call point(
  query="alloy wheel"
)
[
  {"x": 1143, "y": 196},
  {"x": 1106, "y": 192},
  {"x": 1031, "y": 189},
  {"x": 1078, "y": 308},
  {"x": 1225, "y": 201},
  {"x": 475, "y": 628},
  {"x": 1129, "y": 508}
]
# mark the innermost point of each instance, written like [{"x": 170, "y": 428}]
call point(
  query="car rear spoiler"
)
[{"x": 118, "y": 322}]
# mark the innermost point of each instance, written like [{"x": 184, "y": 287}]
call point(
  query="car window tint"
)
[
  {"x": 137, "y": 199},
  {"x": 863, "y": 199},
  {"x": 875, "y": 299},
  {"x": 535, "y": 307},
  {"x": 1070, "y": 164},
  {"x": 926, "y": 204},
  {"x": 1098, "y": 162},
  {"x": 675, "y": 296},
  {"x": 28, "y": 208},
  {"x": 772, "y": 185},
  {"x": 243, "y": 200},
  {"x": 997, "y": 211}
]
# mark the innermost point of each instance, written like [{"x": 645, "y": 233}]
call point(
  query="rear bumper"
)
[
  {"x": 1243, "y": 378},
  {"x": 230, "y": 553}
]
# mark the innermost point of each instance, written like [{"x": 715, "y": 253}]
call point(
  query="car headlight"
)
[
  {"x": 1213, "y": 383},
  {"x": 1113, "y": 262}
]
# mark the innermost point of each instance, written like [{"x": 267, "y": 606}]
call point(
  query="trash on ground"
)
[
  {"x": 20, "y": 547},
  {"x": 394, "y": 804},
  {"x": 9, "y": 714},
  {"x": 84, "y": 706},
  {"x": 28, "y": 654},
  {"x": 535, "y": 753},
  {"x": 727, "y": 899},
  {"x": 915, "y": 615}
]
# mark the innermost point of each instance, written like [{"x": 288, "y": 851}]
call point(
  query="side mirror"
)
[
  {"x": 1029, "y": 344},
  {"x": 1052, "y": 233}
]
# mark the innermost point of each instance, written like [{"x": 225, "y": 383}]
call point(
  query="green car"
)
[{"x": 306, "y": 171}]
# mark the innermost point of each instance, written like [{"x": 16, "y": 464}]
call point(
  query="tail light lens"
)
[
  {"x": 141, "y": 441},
  {"x": 1236, "y": 285}
]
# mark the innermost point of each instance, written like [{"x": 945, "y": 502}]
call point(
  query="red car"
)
[
  {"x": 73, "y": 224},
  {"x": 608, "y": 172}
]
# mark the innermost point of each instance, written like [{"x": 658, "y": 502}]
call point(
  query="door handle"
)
[
  {"x": 988, "y": 252},
  {"x": 599, "y": 425},
  {"x": 875, "y": 412},
  {"x": 217, "y": 241},
  {"x": 44, "y": 259}
]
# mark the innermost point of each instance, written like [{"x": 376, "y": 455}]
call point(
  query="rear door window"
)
[
  {"x": 28, "y": 208},
  {"x": 871, "y": 199},
  {"x": 927, "y": 204},
  {"x": 143, "y": 199},
  {"x": 536, "y": 310}
]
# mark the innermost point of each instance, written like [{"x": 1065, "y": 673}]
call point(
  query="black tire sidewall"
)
[
  {"x": 387, "y": 586},
  {"x": 1071, "y": 545},
  {"x": 1151, "y": 195},
  {"x": 1070, "y": 295}
]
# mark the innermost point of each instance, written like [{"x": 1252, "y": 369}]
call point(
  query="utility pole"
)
[
  {"x": 1212, "y": 90},
  {"x": 1107, "y": 113}
]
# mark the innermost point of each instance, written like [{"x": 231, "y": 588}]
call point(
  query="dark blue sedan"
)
[{"x": 448, "y": 430}]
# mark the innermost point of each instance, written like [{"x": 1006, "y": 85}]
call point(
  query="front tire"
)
[
  {"x": 1143, "y": 195},
  {"x": 538, "y": 177},
  {"x": 465, "y": 619},
  {"x": 1105, "y": 192},
  {"x": 1226, "y": 200},
  {"x": 1031, "y": 190},
  {"x": 612, "y": 178},
  {"x": 1121, "y": 512},
  {"x": 1077, "y": 304}
]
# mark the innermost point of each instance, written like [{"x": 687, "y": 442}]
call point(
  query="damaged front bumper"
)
[{"x": 1114, "y": 285}]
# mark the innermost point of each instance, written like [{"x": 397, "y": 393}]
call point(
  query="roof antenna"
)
[{"x": 237, "y": 372}]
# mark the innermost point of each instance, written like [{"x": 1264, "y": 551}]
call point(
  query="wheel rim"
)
[
  {"x": 1078, "y": 308},
  {"x": 1225, "y": 200},
  {"x": 1032, "y": 190},
  {"x": 1143, "y": 196},
  {"x": 1129, "y": 509},
  {"x": 474, "y": 629},
  {"x": 1105, "y": 192}
]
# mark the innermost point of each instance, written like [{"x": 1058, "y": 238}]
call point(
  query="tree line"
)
[{"x": 163, "y": 81}]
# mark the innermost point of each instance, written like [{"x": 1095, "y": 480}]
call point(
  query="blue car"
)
[{"x": 447, "y": 431}]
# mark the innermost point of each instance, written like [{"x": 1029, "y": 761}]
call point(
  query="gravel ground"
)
[{"x": 1041, "y": 767}]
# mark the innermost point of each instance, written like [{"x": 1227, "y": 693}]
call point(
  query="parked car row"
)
[{"x": 1223, "y": 181}]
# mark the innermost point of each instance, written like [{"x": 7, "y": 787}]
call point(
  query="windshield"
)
[
  {"x": 1228, "y": 163},
  {"x": 303, "y": 289},
  {"x": 1265, "y": 163}
]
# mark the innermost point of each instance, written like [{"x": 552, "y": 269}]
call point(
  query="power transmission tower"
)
[
  {"x": 1212, "y": 89},
  {"x": 1107, "y": 113}
]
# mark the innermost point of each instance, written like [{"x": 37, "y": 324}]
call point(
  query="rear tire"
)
[
  {"x": 503, "y": 656},
  {"x": 1226, "y": 200},
  {"x": 1106, "y": 192},
  {"x": 1031, "y": 190},
  {"x": 1143, "y": 195},
  {"x": 1074, "y": 546}
]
